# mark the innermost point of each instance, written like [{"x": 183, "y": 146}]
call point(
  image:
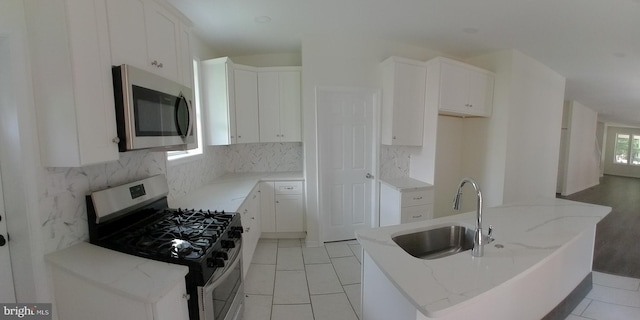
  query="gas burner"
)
[{"x": 180, "y": 248}]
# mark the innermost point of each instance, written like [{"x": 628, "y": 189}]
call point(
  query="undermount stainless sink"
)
[{"x": 436, "y": 243}]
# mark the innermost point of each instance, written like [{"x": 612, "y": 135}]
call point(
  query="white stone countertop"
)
[
  {"x": 135, "y": 277},
  {"x": 404, "y": 184},
  {"x": 229, "y": 191},
  {"x": 529, "y": 232}
]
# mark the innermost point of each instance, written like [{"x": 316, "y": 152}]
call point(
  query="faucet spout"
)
[{"x": 478, "y": 240}]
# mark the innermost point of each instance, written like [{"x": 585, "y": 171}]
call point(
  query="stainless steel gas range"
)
[{"x": 134, "y": 218}]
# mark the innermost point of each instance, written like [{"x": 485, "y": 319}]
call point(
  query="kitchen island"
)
[{"x": 541, "y": 253}]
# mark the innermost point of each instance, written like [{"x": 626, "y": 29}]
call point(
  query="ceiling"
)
[{"x": 595, "y": 44}]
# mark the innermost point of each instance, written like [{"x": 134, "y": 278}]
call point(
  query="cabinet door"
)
[
  {"x": 290, "y": 128},
  {"x": 454, "y": 88},
  {"x": 267, "y": 207},
  {"x": 162, "y": 41},
  {"x": 269, "y": 105},
  {"x": 409, "y": 104},
  {"x": 219, "y": 116},
  {"x": 73, "y": 88},
  {"x": 389, "y": 205},
  {"x": 246, "y": 91},
  {"x": 289, "y": 217},
  {"x": 127, "y": 32},
  {"x": 186, "y": 60},
  {"x": 480, "y": 93}
]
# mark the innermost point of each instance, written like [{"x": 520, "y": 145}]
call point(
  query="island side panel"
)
[{"x": 381, "y": 300}]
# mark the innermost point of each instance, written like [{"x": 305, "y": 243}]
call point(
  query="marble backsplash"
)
[
  {"x": 265, "y": 157},
  {"x": 395, "y": 161},
  {"x": 63, "y": 190}
]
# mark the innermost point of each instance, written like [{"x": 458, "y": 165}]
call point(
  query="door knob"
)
[
  {"x": 369, "y": 176},
  {"x": 3, "y": 241}
]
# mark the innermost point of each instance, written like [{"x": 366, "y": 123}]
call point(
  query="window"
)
[
  {"x": 177, "y": 157},
  {"x": 622, "y": 149},
  {"x": 627, "y": 149}
]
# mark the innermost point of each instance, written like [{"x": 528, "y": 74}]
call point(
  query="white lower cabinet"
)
[
  {"x": 404, "y": 206},
  {"x": 91, "y": 282},
  {"x": 250, "y": 217},
  {"x": 282, "y": 206}
]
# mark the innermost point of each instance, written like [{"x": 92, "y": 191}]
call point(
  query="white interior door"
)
[
  {"x": 7, "y": 293},
  {"x": 346, "y": 155}
]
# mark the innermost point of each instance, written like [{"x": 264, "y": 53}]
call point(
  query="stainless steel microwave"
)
[{"x": 152, "y": 112}]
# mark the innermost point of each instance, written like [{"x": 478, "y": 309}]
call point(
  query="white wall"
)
[
  {"x": 534, "y": 132},
  {"x": 514, "y": 154},
  {"x": 582, "y": 169},
  {"x": 339, "y": 61},
  {"x": 448, "y": 173}
]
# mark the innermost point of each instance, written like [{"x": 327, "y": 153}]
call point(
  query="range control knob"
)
[
  {"x": 239, "y": 229},
  {"x": 215, "y": 263},
  {"x": 220, "y": 254},
  {"x": 227, "y": 244},
  {"x": 235, "y": 234}
]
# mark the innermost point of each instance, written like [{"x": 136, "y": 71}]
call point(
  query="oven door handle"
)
[{"x": 210, "y": 286}]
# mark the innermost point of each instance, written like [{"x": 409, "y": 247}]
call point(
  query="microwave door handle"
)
[
  {"x": 192, "y": 117},
  {"x": 182, "y": 133}
]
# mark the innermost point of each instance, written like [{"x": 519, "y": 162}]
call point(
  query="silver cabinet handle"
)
[
  {"x": 369, "y": 176},
  {"x": 186, "y": 296},
  {"x": 418, "y": 198},
  {"x": 416, "y": 217},
  {"x": 116, "y": 140}
]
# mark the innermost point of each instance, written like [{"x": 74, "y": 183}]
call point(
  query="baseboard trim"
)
[{"x": 564, "y": 308}]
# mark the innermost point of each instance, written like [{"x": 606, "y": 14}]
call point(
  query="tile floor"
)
[{"x": 288, "y": 281}]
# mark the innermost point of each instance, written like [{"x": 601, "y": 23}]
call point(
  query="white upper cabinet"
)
[
  {"x": 279, "y": 105},
  {"x": 186, "y": 60},
  {"x": 403, "y": 101},
  {"x": 464, "y": 90},
  {"x": 219, "y": 108},
  {"x": 146, "y": 35},
  {"x": 72, "y": 82},
  {"x": 246, "y": 108},
  {"x": 230, "y": 108},
  {"x": 244, "y": 104}
]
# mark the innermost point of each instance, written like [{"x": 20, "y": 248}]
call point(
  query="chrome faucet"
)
[{"x": 478, "y": 238}]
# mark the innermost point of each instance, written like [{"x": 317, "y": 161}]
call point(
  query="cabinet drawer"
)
[
  {"x": 417, "y": 198},
  {"x": 288, "y": 187},
  {"x": 416, "y": 213}
]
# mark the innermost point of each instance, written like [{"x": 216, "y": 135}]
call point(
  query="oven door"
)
[{"x": 222, "y": 298}]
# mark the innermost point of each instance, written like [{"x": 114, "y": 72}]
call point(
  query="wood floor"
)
[{"x": 617, "y": 247}]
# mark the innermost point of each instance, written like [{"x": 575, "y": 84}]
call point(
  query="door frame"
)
[
  {"x": 375, "y": 153},
  {"x": 19, "y": 153}
]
